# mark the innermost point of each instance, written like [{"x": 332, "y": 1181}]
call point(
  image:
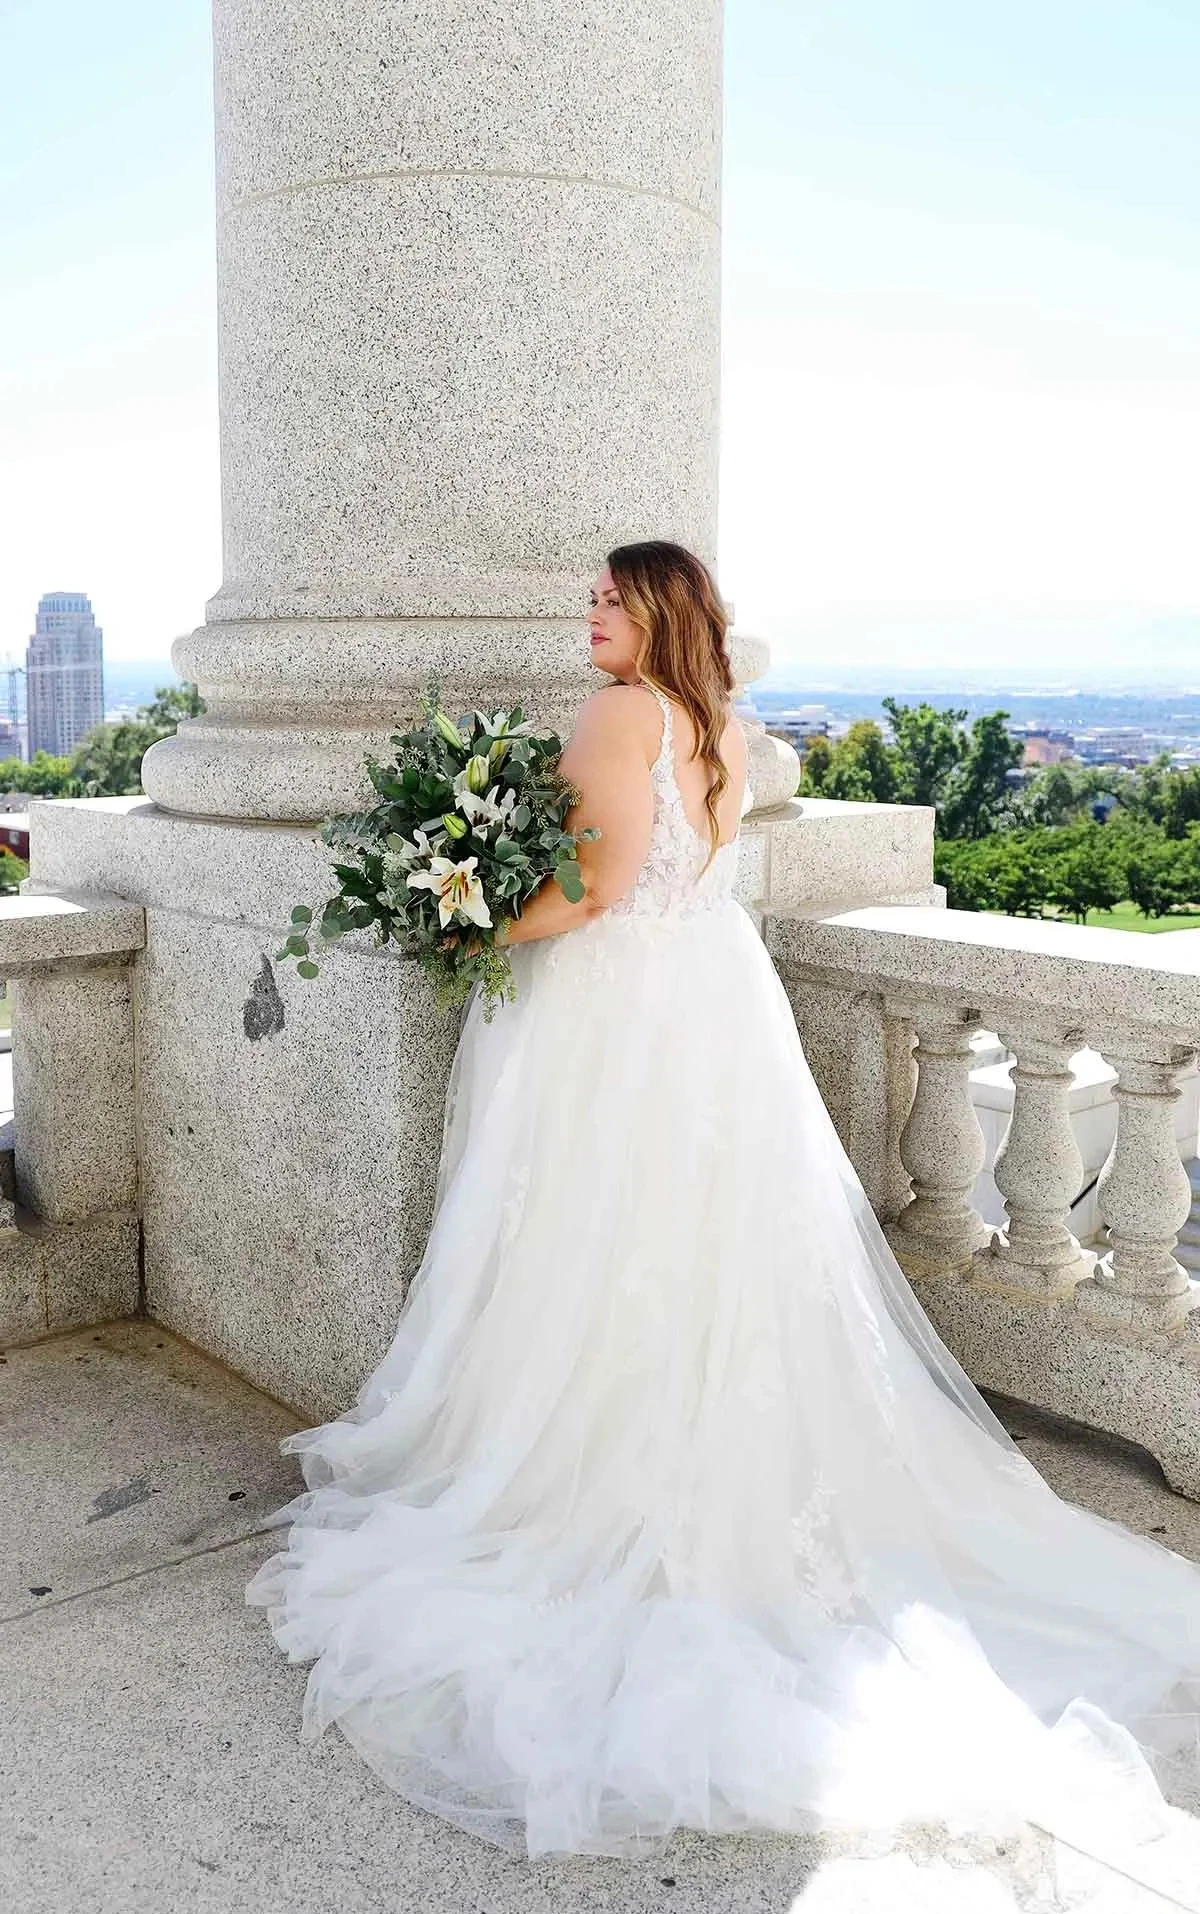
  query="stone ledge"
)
[
  {"x": 822, "y": 853},
  {"x": 46, "y": 927},
  {"x": 1097, "y": 977}
]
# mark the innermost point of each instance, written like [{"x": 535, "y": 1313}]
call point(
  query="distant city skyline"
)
[
  {"x": 961, "y": 328},
  {"x": 64, "y": 674}
]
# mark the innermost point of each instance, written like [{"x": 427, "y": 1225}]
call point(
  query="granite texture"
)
[
  {"x": 469, "y": 289},
  {"x": 287, "y": 1167},
  {"x": 520, "y": 89},
  {"x": 254, "y": 872},
  {"x": 44, "y": 929},
  {"x": 149, "y": 1737},
  {"x": 125, "y": 1449},
  {"x": 286, "y": 1160},
  {"x": 57, "y": 1276},
  {"x": 1105, "y": 978},
  {"x": 1144, "y": 1390},
  {"x": 68, "y": 1222},
  {"x": 773, "y": 765},
  {"x": 839, "y": 855},
  {"x": 74, "y": 1126}
]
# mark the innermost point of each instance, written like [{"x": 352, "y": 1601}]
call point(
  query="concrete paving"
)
[{"x": 149, "y": 1757}]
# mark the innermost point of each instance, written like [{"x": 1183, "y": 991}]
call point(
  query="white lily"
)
[
  {"x": 456, "y": 888},
  {"x": 481, "y": 808},
  {"x": 407, "y": 851}
]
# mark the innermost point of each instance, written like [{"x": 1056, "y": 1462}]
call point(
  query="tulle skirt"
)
[{"x": 667, "y": 1508}]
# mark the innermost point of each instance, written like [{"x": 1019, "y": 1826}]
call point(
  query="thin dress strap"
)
[{"x": 664, "y": 704}]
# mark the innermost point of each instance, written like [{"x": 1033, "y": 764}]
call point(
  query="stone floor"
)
[{"x": 149, "y": 1757}]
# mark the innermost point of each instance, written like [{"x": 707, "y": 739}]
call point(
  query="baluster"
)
[
  {"x": 941, "y": 1146},
  {"x": 1038, "y": 1170},
  {"x": 1144, "y": 1197}
]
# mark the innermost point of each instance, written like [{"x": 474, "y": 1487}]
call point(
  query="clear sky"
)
[{"x": 961, "y": 360}]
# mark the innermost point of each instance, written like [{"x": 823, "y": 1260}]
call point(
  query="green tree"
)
[
  {"x": 1085, "y": 873},
  {"x": 1056, "y": 794},
  {"x": 43, "y": 776},
  {"x": 976, "y": 791},
  {"x": 964, "y": 866},
  {"x": 1160, "y": 872},
  {"x": 1182, "y": 801},
  {"x": 814, "y": 766},
  {"x": 860, "y": 766},
  {"x": 926, "y": 745}
]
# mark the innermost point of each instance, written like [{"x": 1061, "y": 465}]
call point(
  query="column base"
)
[{"x": 292, "y": 708}]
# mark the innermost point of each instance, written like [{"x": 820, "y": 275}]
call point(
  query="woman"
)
[{"x": 667, "y": 1507}]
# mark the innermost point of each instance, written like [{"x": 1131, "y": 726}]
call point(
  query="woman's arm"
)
[{"x": 607, "y": 759}]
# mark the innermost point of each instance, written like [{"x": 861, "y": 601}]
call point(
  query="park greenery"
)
[{"x": 1071, "y": 840}]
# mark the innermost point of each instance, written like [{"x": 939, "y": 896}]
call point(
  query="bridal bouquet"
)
[{"x": 469, "y": 824}]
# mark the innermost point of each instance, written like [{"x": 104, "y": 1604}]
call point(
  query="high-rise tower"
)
[{"x": 64, "y": 674}]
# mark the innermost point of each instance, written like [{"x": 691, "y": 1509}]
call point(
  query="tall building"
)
[{"x": 64, "y": 667}]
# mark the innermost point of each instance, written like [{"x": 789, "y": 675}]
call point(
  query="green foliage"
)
[
  {"x": 975, "y": 791},
  {"x": 927, "y": 744},
  {"x": 1076, "y": 868},
  {"x": 858, "y": 767},
  {"x": 482, "y": 799},
  {"x": 43, "y": 776},
  {"x": 814, "y": 766},
  {"x": 13, "y": 872},
  {"x": 930, "y": 760}
]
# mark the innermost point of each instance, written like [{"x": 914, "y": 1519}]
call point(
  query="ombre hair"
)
[{"x": 672, "y": 599}]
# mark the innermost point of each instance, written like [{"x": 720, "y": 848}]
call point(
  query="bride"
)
[{"x": 666, "y": 1507}]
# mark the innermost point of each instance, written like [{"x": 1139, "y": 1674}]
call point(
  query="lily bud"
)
[
  {"x": 455, "y": 826},
  {"x": 448, "y": 729},
  {"x": 479, "y": 774}
]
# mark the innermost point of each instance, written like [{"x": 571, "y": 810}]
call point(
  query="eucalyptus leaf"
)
[{"x": 570, "y": 882}]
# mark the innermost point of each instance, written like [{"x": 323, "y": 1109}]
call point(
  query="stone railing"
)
[
  {"x": 69, "y": 1232},
  {"x": 887, "y": 1001}
]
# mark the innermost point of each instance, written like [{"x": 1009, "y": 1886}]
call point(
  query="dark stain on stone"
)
[
  {"x": 262, "y": 1012},
  {"x": 43, "y": 1588},
  {"x": 112, "y": 1501}
]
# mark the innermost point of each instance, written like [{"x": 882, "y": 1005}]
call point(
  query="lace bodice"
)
[{"x": 670, "y": 883}]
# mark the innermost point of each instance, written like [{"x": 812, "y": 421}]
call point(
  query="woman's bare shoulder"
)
[{"x": 621, "y": 712}]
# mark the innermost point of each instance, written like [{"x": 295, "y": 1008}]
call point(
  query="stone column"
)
[
  {"x": 1145, "y": 1197},
  {"x": 941, "y": 1146},
  {"x": 1038, "y": 1167},
  {"x": 469, "y": 303}
]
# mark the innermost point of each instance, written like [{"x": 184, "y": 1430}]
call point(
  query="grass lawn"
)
[{"x": 1127, "y": 916}]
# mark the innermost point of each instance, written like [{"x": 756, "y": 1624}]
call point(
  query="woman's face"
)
[{"x": 616, "y": 640}]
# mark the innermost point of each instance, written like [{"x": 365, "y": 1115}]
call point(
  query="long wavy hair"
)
[{"x": 672, "y": 598}]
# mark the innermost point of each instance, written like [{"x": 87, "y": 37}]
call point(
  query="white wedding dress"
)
[{"x": 666, "y": 1506}]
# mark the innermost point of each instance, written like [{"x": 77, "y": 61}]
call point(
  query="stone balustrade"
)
[
  {"x": 887, "y": 1001},
  {"x": 69, "y": 1232}
]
